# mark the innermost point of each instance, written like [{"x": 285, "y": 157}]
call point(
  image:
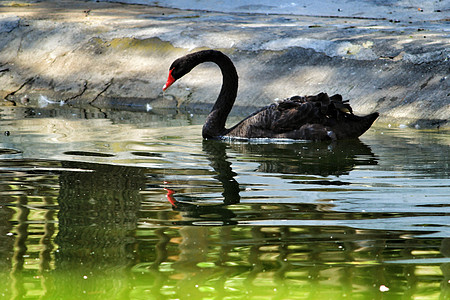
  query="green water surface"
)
[{"x": 130, "y": 205}]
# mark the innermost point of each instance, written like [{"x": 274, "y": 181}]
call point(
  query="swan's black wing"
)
[
  {"x": 316, "y": 117},
  {"x": 284, "y": 117}
]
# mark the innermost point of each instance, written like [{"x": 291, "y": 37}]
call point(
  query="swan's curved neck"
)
[{"x": 215, "y": 122}]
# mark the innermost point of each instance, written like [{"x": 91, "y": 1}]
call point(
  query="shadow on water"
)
[
  {"x": 72, "y": 229},
  {"x": 98, "y": 214}
]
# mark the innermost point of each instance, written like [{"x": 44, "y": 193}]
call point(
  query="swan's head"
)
[{"x": 179, "y": 68}]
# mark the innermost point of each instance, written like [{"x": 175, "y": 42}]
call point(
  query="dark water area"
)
[{"x": 130, "y": 205}]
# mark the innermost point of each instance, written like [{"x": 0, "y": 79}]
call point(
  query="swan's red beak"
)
[
  {"x": 170, "y": 196},
  {"x": 169, "y": 82}
]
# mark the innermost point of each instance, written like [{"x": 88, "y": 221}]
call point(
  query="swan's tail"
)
[{"x": 352, "y": 126}]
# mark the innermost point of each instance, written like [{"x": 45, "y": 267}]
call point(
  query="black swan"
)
[{"x": 315, "y": 118}]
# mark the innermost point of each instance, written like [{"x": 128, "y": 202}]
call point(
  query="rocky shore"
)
[{"x": 117, "y": 55}]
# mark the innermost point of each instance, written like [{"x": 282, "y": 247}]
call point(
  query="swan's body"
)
[{"x": 304, "y": 118}]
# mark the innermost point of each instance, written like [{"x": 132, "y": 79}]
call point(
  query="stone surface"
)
[{"x": 116, "y": 55}]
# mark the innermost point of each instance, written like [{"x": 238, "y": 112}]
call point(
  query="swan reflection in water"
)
[
  {"x": 318, "y": 255},
  {"x": 314, "y": 158}
]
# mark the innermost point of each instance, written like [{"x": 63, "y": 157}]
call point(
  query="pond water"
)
[{"x": 130, "y": 205}]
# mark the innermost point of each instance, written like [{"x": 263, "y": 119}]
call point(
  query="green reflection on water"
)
[{"x": 183, "y": 219}]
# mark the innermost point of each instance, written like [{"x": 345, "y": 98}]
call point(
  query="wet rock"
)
[
  {"x": 108, "y": 54},
  {"x": 8, "y": 24}
]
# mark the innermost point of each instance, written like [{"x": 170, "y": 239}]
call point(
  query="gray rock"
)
[{"x": 116, "y": 55}]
